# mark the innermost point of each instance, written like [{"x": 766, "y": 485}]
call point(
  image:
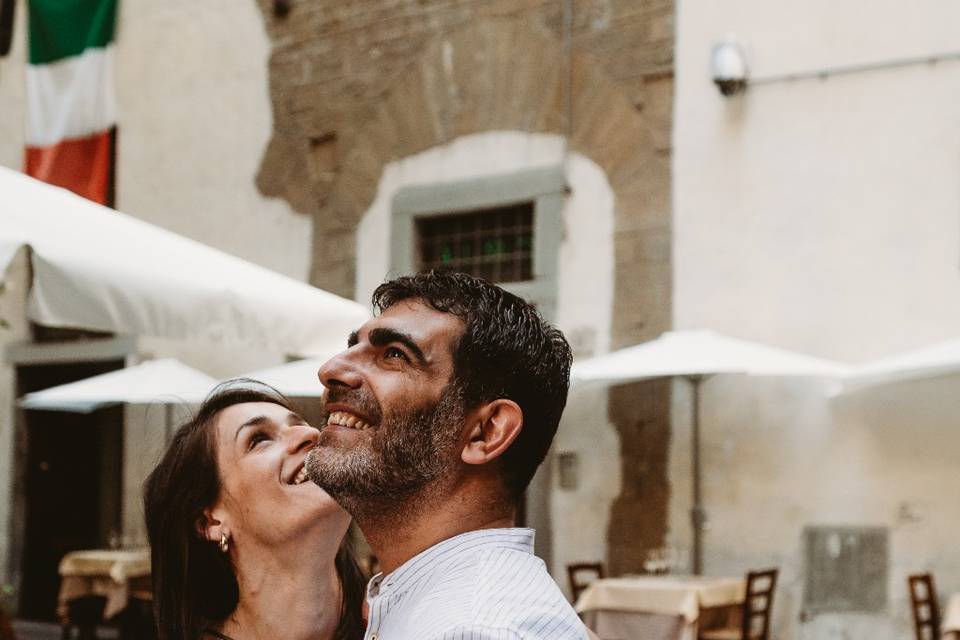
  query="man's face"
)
[{"x": 392, "y": 418}]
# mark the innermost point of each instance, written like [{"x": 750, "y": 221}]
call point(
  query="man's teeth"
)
[
  {"x": 301, "y": 476},
  {"x": 344, "y": 419}
]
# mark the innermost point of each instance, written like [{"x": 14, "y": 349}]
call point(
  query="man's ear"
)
[{"x": 494, "y": 427}]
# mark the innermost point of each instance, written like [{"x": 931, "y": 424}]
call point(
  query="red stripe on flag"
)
[{"x": 82, "y": 165}]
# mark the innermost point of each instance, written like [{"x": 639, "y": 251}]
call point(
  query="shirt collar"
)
[{"x": 446, "y": 551}]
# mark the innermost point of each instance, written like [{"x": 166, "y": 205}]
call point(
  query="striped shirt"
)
[{"x": 480, "y": 585}]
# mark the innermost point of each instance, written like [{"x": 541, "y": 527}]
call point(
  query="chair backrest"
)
[
  {"x": 6, "y": 629},
  {"x": 757, "y": 604},
  {"x": 574, "y": 571},
  {"x": 926, "y": 608}
]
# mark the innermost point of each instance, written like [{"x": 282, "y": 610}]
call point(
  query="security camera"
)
[{"x": 728, "y": 65}]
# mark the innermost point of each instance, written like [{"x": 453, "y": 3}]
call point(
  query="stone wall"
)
[{"x": 358, "y": 85}]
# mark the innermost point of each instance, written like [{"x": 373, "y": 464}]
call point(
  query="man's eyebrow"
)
[
  {"x": 383, "y": 336},
  {"x": 353, "y": 338}
]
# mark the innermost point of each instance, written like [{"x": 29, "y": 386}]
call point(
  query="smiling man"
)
[{"x": 438, "y": 414}]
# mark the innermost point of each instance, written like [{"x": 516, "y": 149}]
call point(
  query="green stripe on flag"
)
[{"x": 65, "y": 28}]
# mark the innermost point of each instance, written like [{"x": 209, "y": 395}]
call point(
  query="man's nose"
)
[{"x": 339, "y": 371}]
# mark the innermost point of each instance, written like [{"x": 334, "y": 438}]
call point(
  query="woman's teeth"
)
[{"x": 344, "y": 419}]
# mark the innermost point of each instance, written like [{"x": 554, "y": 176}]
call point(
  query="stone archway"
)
[{"x": 508, "y": 73}]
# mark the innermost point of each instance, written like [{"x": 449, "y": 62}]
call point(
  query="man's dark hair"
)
[{"x": 506, "y": 351}]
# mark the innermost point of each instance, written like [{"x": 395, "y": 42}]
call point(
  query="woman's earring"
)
[{"x": 224, "y": 544}]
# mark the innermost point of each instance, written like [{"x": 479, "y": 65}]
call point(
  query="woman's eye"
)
[{"x": 256, "y": 439}]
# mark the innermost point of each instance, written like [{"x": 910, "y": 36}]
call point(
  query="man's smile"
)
[{"x": 347, "y": 419}]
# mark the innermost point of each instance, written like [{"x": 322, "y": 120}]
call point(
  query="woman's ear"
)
[
  {"x": 210, "y": 526},
  {"x": 494, "y": 427}
]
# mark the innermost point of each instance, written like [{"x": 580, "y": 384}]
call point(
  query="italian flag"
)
[{"x": 71, "y": 114}]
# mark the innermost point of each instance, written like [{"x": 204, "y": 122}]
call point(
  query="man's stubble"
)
[{"x": 391, "y": 472}]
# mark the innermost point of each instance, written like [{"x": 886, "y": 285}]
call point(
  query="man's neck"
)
[{"x": 397, "y": 535}]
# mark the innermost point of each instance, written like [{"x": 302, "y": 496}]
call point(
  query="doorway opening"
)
[{"x": 68, "y": 483}]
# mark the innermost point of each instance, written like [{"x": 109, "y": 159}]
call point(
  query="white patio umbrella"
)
[
  {"x": 697, "y": 355},
  {"x": 100, "y": 269},
  {"x": 940, "y": 359},
  {"x": 296, "y": 379},
  {"x": 166, "y": 382}
]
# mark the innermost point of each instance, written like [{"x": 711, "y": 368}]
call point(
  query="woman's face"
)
[{"x": 265, "y": 495}]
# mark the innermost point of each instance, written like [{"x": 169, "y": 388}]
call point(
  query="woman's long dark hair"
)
[{"x": 194, "y": 584}]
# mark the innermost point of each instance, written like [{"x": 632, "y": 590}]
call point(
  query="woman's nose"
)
[
  {"x": 302, "y": 437},
  {"x": 339, "y": 371}
]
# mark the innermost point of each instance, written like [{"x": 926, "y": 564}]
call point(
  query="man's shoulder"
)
[
  {"x": 513, "y": 592},
  {"x": 498, "y": 591},
  {"x": 511, "y": 576}
]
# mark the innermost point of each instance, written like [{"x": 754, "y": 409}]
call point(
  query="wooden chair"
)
[
  {"x": 926, "y": 608},
  {"x": 577, "y": 586},
  {"x": 754, "y": 612},
  {"x": 84, "y": 614},
  {"x": 6, "y": 628}
]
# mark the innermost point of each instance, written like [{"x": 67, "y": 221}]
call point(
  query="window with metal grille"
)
[{"x": 495, "y": 244}]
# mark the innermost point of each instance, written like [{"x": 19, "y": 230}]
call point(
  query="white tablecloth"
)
[
  {"x": 951, "y": 618},
  {"x": 657, "y": 607},
  {"x": 116, "y": 575}
]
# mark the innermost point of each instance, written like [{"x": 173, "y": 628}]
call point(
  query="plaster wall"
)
[
  {"x": 828, "y": 208},
  {"x": 144, "y": 442},
  {"x": 584, "y": 304},
  {"x": 820, "y": 215},
  {"x": 13, "y": 89},
  {"x": 13, "y": 307},
  {"x": 194, "y": 119}
]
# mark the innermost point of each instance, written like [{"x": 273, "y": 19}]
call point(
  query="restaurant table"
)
[
  {"x": 950, "y": 625},
  {"x": 660, "y": 607},
  {"x": 116, "y": 575}
]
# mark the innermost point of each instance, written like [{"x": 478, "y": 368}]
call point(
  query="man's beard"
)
[{"x": 406, "y": 453}]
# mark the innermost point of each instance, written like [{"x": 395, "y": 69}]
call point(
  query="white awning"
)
[
  {"x": 699, "y": 353},
  {"x": 166, "y": 381},
  {"x": 96, "y": 268}
]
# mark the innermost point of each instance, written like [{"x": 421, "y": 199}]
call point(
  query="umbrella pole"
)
[
  {"x": 168, "y": 427},
  {"x": 698, "y": 514}
]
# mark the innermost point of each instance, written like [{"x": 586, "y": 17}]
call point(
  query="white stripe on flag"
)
[{"x": 70, "y": 98}]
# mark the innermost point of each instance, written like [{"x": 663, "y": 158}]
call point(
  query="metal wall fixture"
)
[
  {"x": 728, "y": 66},
  {"x": 731, "y": 73}
]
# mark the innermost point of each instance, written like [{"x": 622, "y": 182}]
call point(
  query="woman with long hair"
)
[{"x": 243, "y": 545}]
